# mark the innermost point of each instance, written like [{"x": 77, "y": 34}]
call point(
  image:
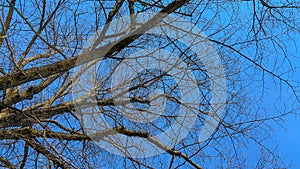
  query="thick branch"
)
[
  {"x": 7, "y": 22},
  {"x": 29, "y": 93},
  {"x": 13, "y": 117},
  {"x": 32, "y": 133},
  {"x": 12, "y": 80},
  {"x": 7, "y": 163}
]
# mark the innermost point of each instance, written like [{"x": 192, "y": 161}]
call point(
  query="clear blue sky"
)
[
  {"x": 277, "y": 97},
  {"x": 288, "y": 136}
]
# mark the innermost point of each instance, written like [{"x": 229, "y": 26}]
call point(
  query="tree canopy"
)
[{"x": 145, "y": 83}]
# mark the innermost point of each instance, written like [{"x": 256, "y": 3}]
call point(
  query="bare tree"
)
[{"x": 67, "y": 65}]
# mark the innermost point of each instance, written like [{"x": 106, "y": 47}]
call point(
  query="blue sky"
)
[
  {"x": 287, "y": 136},
  {"x": 273, "y": 96}
]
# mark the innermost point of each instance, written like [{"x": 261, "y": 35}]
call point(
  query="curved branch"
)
[
  {"x": 264, "y": 3},
  {"x": 7, "y": 22},
  {"x": 20, "y": 77},
  {"x": 7, "y": 163}
]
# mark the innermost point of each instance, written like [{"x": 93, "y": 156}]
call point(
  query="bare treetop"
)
[{"x": 145, "y": 84}]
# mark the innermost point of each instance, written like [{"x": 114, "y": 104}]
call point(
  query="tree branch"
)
[{"x": 28, "y": 75}]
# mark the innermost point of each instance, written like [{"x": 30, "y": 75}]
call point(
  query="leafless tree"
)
[{"x": 43, "y": 43}]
